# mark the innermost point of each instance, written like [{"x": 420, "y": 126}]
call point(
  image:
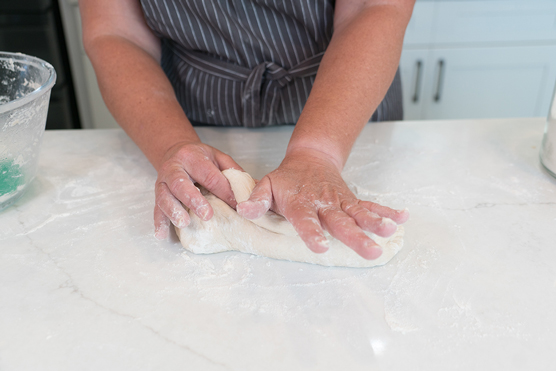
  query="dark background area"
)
[{"x": 34, "y": 27}]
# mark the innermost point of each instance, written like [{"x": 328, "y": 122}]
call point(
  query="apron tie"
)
[{"x": 261, "y": 84}]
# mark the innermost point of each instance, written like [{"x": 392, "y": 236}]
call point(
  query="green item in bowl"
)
[{"x": 10, "y": 177}]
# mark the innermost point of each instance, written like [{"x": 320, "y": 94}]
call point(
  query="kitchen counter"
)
[{"x": 84, "y": 285}]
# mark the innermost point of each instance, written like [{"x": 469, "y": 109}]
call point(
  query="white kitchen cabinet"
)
[
  {"x": 494, "y": 21},
  {"x": 484, "y": 59},
  {"x": 414, "y": 70},
  {"x": 478, "y": 82}
]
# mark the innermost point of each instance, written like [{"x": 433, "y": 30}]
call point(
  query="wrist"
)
[
  {"x": 331, "y": 140},
  {"x": 320, "y": 153},
  {"x": 326, "y": 145},
  {"x": 166, "y": 147},
  {"x": 173, "y": 146}
]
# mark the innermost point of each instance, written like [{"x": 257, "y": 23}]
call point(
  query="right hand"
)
[
  {"x": 183, "y": 165},
  {"x": 308, "y": 190}
]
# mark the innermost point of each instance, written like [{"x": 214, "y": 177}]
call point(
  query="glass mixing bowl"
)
[{"x": 25, "y": 84}]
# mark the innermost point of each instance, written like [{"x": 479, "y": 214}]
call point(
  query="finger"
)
[
  {"x": 161, "y": 224},
  {"x": 226, "y": 162},
  {"x": 306, "y": 223},
  {"x": 170, "y": 206},
  {"x": 369, "y": 221},
  {"x": 259, "y": 201},
  {"x": 181, "y": 187},
  {"x": 398, "y": 216},
  {"x": 343, "y": 227},
  {"x": 210, "y": 177}
]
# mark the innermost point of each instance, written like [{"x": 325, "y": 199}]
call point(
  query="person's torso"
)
[
  {"x": 210, "y": 49},
  {"x": 247, "y": 62}
]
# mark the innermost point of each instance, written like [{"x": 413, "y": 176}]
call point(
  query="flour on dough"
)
[{"x": 271, "y": 235}]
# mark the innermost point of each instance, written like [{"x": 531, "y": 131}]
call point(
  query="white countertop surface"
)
[{"x": 85, "y": 286}]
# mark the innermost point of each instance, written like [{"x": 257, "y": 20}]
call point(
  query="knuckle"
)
[
  {"x": 176, "y": 184},
  {"x": 185, "y": 150},
  {"x": 168, "y": 167},
  {"x": 191, "y": 156},
  {"x": 350, "y": 206},
  {"x": 329, "y": 211},
  {"x": 163, "y": 203},
  {"x": 371, "y": 206},
  {"x": 360, "y": 212},
  {"x": 211, "y": 180},
  {"x": 329, "y": 195},
  {"x": 223, "y": 155},
  {"x": 345, "y": 222},
  {"x": 340, "y": 222},
  {"x": 160, "y": 190}
]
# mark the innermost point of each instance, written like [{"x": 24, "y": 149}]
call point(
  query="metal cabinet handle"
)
[
  {"x": 439, "y": 80},
  {"x": 419, "y": 66}
]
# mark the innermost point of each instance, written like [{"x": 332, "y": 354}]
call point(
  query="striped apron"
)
[{"x": 247, "y": 63}]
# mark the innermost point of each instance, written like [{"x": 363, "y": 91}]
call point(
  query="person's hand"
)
[
  {"x": 308, "y": 190},
  {"x": 183, "y": 165}
]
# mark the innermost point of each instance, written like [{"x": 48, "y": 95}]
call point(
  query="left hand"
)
[{"x": 308, "y": 190}]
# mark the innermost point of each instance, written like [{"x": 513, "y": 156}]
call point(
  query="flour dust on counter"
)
[{"x": 270, "y": 236}]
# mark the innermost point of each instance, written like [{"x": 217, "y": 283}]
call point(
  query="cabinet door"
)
[
  {"x": 415, "y": 72},
  {"x": 490, "y": 82},
  {"x": 494, "y": 21}
]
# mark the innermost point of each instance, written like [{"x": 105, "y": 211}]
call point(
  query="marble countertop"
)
[{"x": 85, "y": 286}]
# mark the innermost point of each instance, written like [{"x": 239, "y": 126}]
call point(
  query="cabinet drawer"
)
[{"x": 494, "y": 21}]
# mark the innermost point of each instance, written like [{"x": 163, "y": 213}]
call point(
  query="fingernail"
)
[
  {"x": 403, "y": 214},
  {"x": 373, "y": 252},
  {"x": 244, "y": 203},
  {"x": 181, "y": 223},
  {"x": 387, "y": 222},
  {"x": 322, "y": 241},
  {"x": 241, "y": 210},
  {"x": 265, "y": 203}
]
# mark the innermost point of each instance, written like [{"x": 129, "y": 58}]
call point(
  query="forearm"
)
[
  {"x": 126, "y": 57},
  {"x": 139, "y": 96},
  {"x": 355, "y": 74}
]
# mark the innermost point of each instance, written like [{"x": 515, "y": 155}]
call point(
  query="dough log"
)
[{"x": 270, "y": 236}]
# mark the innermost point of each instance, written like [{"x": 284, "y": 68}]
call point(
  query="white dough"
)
[{"x": 271, "y": 235}]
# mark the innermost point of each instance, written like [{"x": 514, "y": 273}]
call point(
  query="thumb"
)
[{"x": 259, "y": 202}]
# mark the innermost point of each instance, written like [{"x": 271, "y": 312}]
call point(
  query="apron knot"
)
[
  {"x": 263, "y": 86},
  {"x": 260, "y": 97}
]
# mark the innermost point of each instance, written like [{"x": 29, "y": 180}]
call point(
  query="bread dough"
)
[{"x": 271, "y": 235}]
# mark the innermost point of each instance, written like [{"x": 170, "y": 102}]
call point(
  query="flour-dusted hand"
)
[
  {"x": 353, "y": 78},
  {"x": 184, "y": 165},
  {"x": 308, "y": 190}
]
